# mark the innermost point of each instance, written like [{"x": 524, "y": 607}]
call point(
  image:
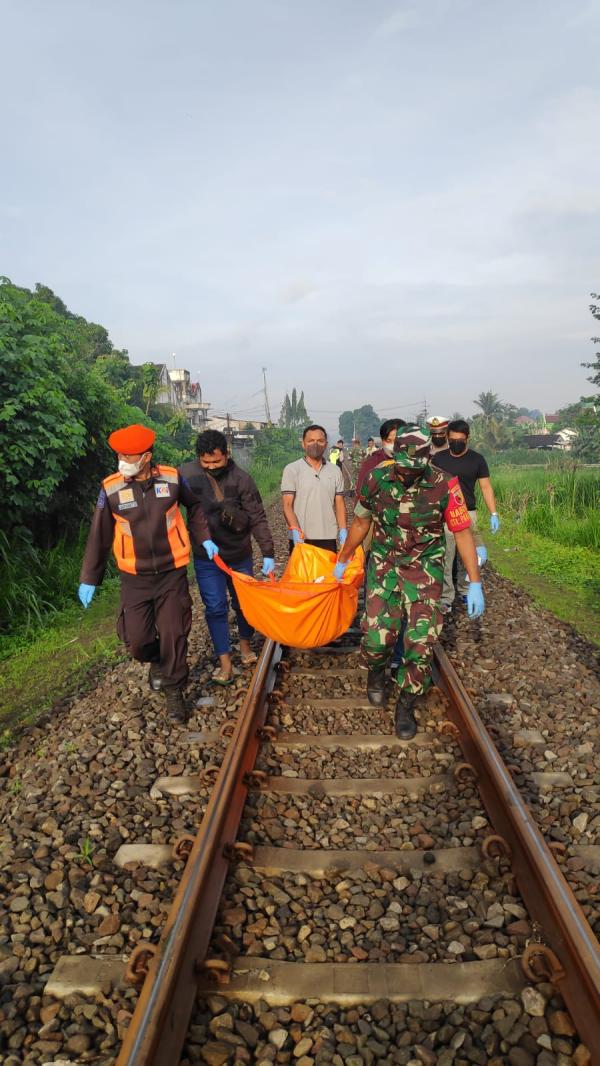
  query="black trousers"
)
[
  {"x": 329, "y": 545},
  {"x": 155, "y": 620}
]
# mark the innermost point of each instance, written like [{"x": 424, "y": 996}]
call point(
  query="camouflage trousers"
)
[{"x": 416, "y": 600}]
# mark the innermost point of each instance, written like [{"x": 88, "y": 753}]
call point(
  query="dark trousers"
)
[
  {"x": 155, "y": 619},
  {"x": 329, "y": 545},
  {"x": 213, "y": 585}
]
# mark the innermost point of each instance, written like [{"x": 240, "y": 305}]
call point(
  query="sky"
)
[{"x": 380, "y": 202}]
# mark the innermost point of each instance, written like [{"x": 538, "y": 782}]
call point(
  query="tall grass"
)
[
  {"x": 562, "y": 505},
  {"x": 35, "y": 584},
  {"x": 267, "y": 475},
  {"x": 525, "y": 457}
]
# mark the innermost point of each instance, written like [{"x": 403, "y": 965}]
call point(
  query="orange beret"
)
[{"x": 132, "y": 440}]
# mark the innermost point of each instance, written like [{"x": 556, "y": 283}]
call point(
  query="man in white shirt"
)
[{"x": 313, "y": 495}]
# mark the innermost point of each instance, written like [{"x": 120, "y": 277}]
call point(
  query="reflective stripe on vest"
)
[
  {"x": 179, "y": 541},
  {"x": 123, "y": 545}
]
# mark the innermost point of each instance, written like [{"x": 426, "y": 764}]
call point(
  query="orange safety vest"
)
[{"x": 166, "y": 525}]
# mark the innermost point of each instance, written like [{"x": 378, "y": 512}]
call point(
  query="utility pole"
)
[
  {"x": 267, "y": 409},
  {"x": 229, "y": 434}
]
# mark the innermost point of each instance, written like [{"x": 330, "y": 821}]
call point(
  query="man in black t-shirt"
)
[{"x": 469, "y": 467}]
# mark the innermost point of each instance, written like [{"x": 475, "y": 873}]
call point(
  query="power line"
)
[{"x": 267, "y": 410}]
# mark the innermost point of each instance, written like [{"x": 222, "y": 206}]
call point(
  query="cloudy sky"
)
[{"x": 379, "y": 201}]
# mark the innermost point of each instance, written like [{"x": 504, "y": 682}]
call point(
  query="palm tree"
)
[{"x": 490, "y": 404}]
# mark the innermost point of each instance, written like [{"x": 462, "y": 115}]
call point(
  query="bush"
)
[{"x": 57, "y": 410}]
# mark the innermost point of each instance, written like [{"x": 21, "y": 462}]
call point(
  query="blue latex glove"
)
[
  {"x": 494, "y": 523},
  {"x": 339, "y": 570},
  {"x": 86, "y": 594},
  {"x": 296, "y": 536},
  {"x": 268, "y": 566},
  {"x": 343, "y": 533},
  {"x": 475, "y": 600},
  {"x": 482, "y": 555},
  {"x": 210, "y": 548}
]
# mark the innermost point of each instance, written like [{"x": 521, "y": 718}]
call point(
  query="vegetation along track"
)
[{"x": 348, "y": 899}]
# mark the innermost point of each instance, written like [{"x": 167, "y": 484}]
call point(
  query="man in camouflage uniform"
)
[{"x": 408, "y": 501}]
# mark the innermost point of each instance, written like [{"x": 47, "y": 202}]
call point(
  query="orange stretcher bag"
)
[{"x": 307, "y": 607}]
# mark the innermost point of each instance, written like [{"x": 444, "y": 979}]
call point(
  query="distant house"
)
[
  {"x": 177, "y": 390},
  {"x": 552, "y": 420},
  {"x": 560, "y": 441},
  {"x": 524, "y": 420}
]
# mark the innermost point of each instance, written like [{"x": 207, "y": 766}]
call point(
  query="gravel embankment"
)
[{"x": 77, "y": 786}]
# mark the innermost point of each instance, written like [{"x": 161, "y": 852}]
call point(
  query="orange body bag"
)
[{"x": 307, "y": 607}]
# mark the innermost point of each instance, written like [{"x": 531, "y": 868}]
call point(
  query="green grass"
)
[
  {"x": 268, "y": 477},
  {"x": 549, "y": 541},
  {"x": 35, "y": 585},
  {"x": 526, "y": 457},
  {"x": 563, "y": 580},
  {"x": 57, "y": 660},
  {"x": 560, "y": 505}
]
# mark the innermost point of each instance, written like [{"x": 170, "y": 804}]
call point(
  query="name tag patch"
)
[
  {"x": 161, "y": 489},
  {"x": 126, "y": 496}
]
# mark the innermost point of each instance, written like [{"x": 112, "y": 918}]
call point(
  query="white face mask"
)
[
  {"x": 130, "y": 469},
  {"x": 388, "y": 448}
]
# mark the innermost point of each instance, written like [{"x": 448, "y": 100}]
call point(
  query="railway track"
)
[{"x": 309, "y": 883}]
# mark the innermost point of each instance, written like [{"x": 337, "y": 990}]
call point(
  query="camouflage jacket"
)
[{"x": 409, "y": 523}]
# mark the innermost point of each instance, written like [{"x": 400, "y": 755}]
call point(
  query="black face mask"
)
[
  {"x": 438, "y": 439},
  {"x": 457, "y": 447},
  {"x": 217, "y": 472}
]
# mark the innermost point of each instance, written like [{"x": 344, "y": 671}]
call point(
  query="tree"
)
[
  {"x": 491, "y": 434},
  {"x": 293, "y": 411},
  {"x": 490, "y": 404},
  {"x": 57, "y": 410},
  {"x": 363, "y": 423},
  {"x": 595, "y": 366},
  {"x": 276, "y": 445},
  {"x": 150, "y": 386}
]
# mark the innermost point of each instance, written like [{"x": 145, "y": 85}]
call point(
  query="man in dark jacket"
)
[
  {"x": 234, "y": 509},
  {"x": 137, "y": 514}
]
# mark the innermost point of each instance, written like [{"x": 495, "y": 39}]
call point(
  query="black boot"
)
[
  {"x": 404, "y": 717},
  {"x": 177, "y": 709},
  {"x": 155, "y": 677},
  {"x": 376, "y": 688}
]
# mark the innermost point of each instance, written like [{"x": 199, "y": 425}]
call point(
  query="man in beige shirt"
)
[{"x": 313, "y": 495}]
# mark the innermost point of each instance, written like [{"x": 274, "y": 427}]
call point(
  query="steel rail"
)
[
  {"x": 159, "y": 1024},
  {"x": 158, "y": 1027},
  {"x": 545, "y": 891}
]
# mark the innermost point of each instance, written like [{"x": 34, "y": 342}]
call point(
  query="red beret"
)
[{"x": 132, "y": 440}]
